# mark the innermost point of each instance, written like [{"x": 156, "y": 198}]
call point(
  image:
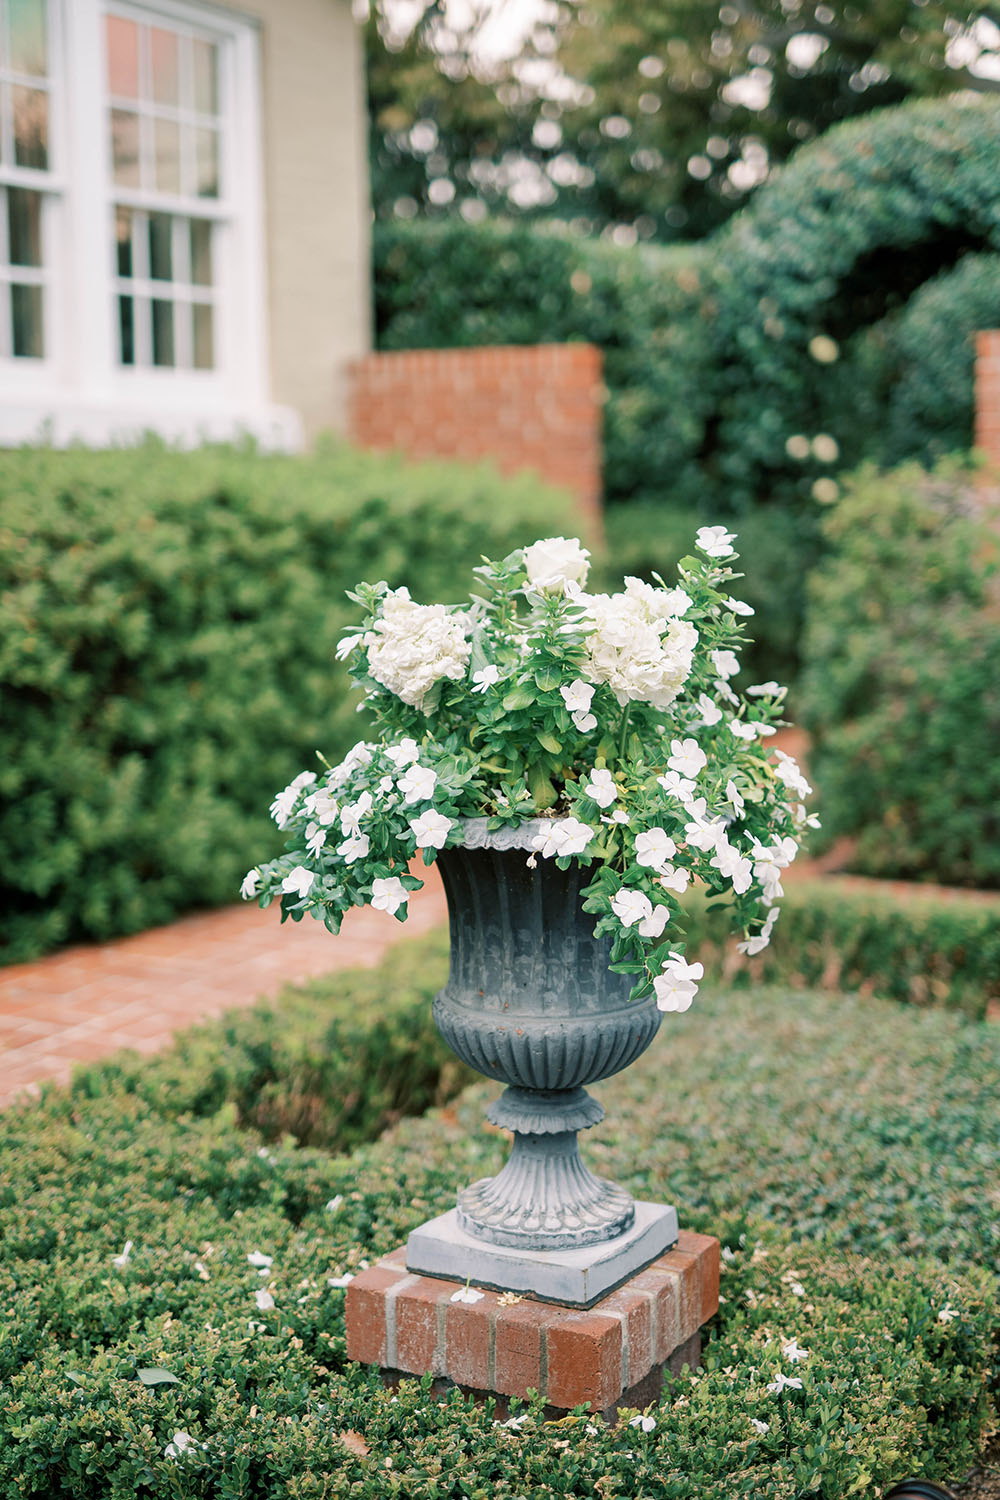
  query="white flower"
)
[
  {"x": 677, "y": 786},
  {"x": 298, "y": 881},
  {"x": 733, "y": 865},
  {"x": 674, "y": 879},
  {"x": 759, "y": 1426},
  {"x": 686, "y": 757},
  {"x": 725, "y": 692},
  {"x": 766, "y": 690},
  {"x": 485, "y": 678},
  {"x": 354, "y": 848},
  {"x": 646, "y": 1424},
  {"x": 352, "y": 813},
  {"x": 251, "y": 881},
  {"x": 585, "y": 722},
  {"x": 418, "y": 783},
  {"x": 334, "y": 1203},
  {"x": 388, "y": 894},
  {"x": 315, "y": 838},
  {"x": 787, "y": 771},
  {"x": 554, "y": 562},
  {"x": 785, "y": 1382},
  {"x": 281, "y": 807},
  {"x": 413, "y": 646},
  {"x": 653, "y": 925},
  {"x": 793, "y": 1352},
  {"x": 703, "y": 832},
  {"x": 618, "y": 816},
  {"x": 577, "y": 695},
  {"x": 601, "y": 788},
  {"x": 733, "y": 797},
  {"x": 562, "y": 836},
  {"x": 738, "y": 607},
  {"x": 726, "y": 663},
  {"x": 337, "y": 1281},
  {"x": 182, "y": 1442},
  {"x": 403, "y": 754},
  {"x": 431, "y": 829},
  {"x": 677, "y": 985},
  {"x": 654, "y": 848},
  {"x": 514, "y": 1424},
  {"x": 715, "y": 541},
  {"x": 264, "y": 1300},
  {"x": 631, "y": 907},
  {"x": 121, "y": 1261},
  {"x": 467, "y": 1294},
  {"x": 743, "y": 731},
  {"x": 638, "y": 646},
  {"x": 261, "y": 1261},
  {"x": 757, "y": 944},
  {"x": 947, "y": 1313},
  {"x": 323, "y": 806},
  {"x": 710, "y": 712}
]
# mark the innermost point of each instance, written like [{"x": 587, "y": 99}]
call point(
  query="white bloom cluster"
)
[
  {"x": 413, "y": 646},
  {"x": 639, "y": 646},
  {"x": 553, "y": 563}
]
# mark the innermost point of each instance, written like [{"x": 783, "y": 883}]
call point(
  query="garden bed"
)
[{"x": 844, "y": 1149}]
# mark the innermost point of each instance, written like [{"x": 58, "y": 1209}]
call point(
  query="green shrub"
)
[
  {"x": 167, "y": 626},
  {"x": 916, "y": 948},
  {"x": 842, "y": 1151},
  {"x": 901, "y": 688}
]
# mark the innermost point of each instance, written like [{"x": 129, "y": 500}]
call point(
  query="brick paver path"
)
[{"x": 86, "y": 1002}]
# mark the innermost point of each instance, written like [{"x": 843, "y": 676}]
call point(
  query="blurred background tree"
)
[{"x": 652, "y": 122}]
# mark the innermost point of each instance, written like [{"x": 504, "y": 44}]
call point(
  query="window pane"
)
[
  {"x": 167, "y": 138},
  {"x": 126, "y": 329},
  {"x": 160, "y": 259},
  {"x": 203, "y": 341},
  {"x": 163, "y": 332},
  {"x": 123, "y": 241},
  {"x": 26, "y": 311},
  {"x": 25, "y": 224},
  {"x": 165, "y": 66},
  {"x": 31, "y": 127},
  {"x": 201, "y": 252},
  {"x": 123, "y": 57},
  {"x": 125, "y": 147},
  {"x": 28, "y": 49},
  {"x": 206, "y": 152},
  {"x": 206, "y": 78}
]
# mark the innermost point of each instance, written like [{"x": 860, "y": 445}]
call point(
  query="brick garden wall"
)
[
  {"x": 988, "y": 394},
  {"x": 536, "y": 407}
]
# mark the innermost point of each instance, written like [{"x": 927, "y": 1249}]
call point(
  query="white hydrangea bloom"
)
[
  {"x": 553, "y": 563},
  {"x": 639, "y": 646},
  {"x": 413, "y": 646}
]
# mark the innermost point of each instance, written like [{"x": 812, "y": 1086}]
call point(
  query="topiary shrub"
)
[
  {"x": 901, "y": 684},
  {"x": 167, "y": 628}
]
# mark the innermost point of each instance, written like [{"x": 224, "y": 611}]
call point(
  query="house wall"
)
[
  {"x": 536, "y": 407},
  {"x": 316, "y": 202},
  {"x": 988, "y": 394}
]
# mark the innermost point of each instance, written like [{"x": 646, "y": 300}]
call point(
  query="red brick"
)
[
  {"x": 584, "y": 1360},
  {"x": 420, "y": 1315},
  {"x": 468, "y": 1334},
  {"x": 519, "y": 1348},
  {"x": 707, "y": 1249},
  {"x": 636, "y": 1308},
  {"x": 364, "y": 1314}
]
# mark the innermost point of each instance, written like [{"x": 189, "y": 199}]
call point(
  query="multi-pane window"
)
[
  {"x": 24, "y": 176},
  {"x": 166, "y": 149}
]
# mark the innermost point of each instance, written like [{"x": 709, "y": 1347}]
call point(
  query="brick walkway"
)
[{"x": 86, "y": 1002}]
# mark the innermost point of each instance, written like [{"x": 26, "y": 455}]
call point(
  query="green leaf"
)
[
  {"x": 74, "y": 1377},
  {"x": 541, "y": 788},
  {"x": 550, "y": 743},
  {"x": 156, "y": 1376},
  {"x": 519, "y": 697},
  {"x": 548, "y": 679}
]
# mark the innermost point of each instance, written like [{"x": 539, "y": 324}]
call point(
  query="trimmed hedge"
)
[
  {"x": 167, "y": 627},
  {"x": 901, "y": 687},
  {"x": 833, "y": 936},
  {"x": 847, "y": 1127}
]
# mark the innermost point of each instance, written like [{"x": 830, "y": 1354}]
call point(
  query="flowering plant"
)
[{"x": 610, "y": 720}]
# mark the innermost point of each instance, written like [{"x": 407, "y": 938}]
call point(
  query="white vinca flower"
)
[
  {"x": 787, "y": 771},
  {"x": 677, "y": 986},
  {"x": 388, "y": 894},
  {"x": 715, "y": 541},
  {"x": 674, "y": 879},
  {"x": 562, "y": 836},
  {"x": 577, "y": 695},
  {"x": 403, "y": 754},
  {"x": 553, "y": 563},
  {"x": 354, "y": 848},
  {"x": 686, "y": 758},
  {"x": 431, "y": 829},
  {"x": 725, "y": 663},
  {"x": 413, "y": 646},
  {"x": 639, "y": 646},
  {"x": 315, "y": 838},
  {"x": 677, "y": 786},
  {"x": 284, "y": 802},
  {"x": 417, "y": 784},
  {"x": 485, "y": 678},
  {"x": 743, "y": 731},
  {"x": 733, "y": 865},
  {"x": 738, "y": 607},
  {"x": 352, "y": 813},
  {"x": 601, "y": 788},
  {"x": 264, "y": 1300},
  {"x": 251, "y": 881},
  {"x": 298, "y": 881},
  {"x": 654, "y": 848},
  {"x": 323, "y": 806},
  {"x": 631, "y": 907},
  {"x": 709, "y": 712}
]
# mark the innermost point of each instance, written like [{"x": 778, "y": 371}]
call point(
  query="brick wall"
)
[
  {"x": 988, "y": 395},
  {"x": 535, "y": 407}
]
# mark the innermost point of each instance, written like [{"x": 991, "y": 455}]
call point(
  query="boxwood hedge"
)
[
  {"x": 844, "y": 1151},
  {"x": 167, "y": 626}
]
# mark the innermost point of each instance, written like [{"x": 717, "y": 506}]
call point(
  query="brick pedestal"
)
[{"x": 608, "y": 1355}]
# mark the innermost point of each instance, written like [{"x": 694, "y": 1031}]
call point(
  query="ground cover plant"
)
[{"x": 844, "y": 1151}]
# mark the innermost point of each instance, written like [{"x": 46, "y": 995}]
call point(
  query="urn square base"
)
[
  {"x": 574, "y": 1278},
  {"x": 507, "y": 1345}
]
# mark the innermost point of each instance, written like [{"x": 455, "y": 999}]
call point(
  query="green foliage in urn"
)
[
  {"x": 901, "y": 689},
  {"x": 167, "y": 627}
]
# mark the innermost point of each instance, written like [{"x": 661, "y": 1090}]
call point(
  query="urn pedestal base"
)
[
  {"x": 574, "y": 1278},
  {"x": 609, "y": 1354}
]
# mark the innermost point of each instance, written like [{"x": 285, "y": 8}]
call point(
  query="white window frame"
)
[{"x": 80, "y": 391}]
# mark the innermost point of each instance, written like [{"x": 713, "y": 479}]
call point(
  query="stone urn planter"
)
[{"x": 530, "y": 1002}]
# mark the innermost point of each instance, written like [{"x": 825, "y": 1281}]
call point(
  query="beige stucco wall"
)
[{"x": 316, "y": 202}]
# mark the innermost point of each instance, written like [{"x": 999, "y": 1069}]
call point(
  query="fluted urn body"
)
[{"x": 531, "y": 1002}]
